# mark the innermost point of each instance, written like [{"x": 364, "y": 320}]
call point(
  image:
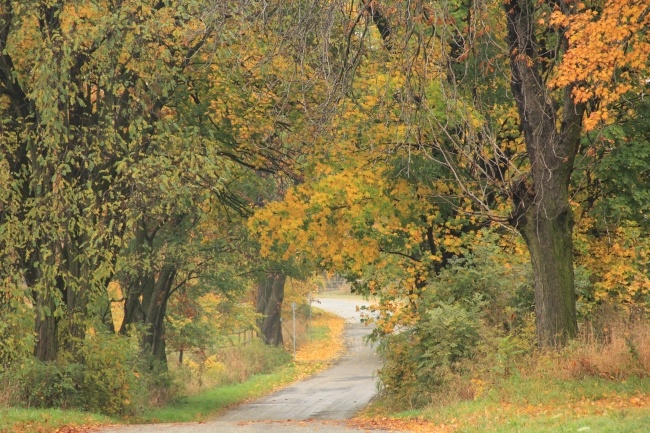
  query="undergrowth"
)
[
  {"x": 599, "y": 382},
  {"x": 210, "y": 383}
]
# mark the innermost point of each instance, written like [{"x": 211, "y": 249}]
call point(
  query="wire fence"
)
[{"x": 239, "y": 338}]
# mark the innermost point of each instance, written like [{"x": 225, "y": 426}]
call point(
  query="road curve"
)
[{"x": 318, "y": 404}]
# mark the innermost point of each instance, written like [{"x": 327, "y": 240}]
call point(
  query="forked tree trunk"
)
[{"x": 270, "y": 294}]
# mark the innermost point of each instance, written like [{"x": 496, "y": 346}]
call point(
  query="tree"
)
[
  {"x": 542, "y": 212},
  {"x": 503, "y": 123},
  {"x": 270, "y": 294},
  {"x": 550, "y": 120},
  {"x": 110, "y": 112}
]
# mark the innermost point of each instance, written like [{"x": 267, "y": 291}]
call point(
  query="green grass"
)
[
  {"x": 17, "y": 420},
  {"x": 541, "y": 405},
  {"x": 622, "y": 421},
  {"x": 210, "y": 402},
  {"x": 318, "y": 333}
]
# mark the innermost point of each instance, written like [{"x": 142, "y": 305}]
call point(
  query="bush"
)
[
  {"x": 104, "y": 378},
  {"x": 497, "y": 285},
  {"x": 111, "y": 373},
  {"x": 485, "y": 296},
  {"x": 48, "y": 384},
  {"x": 16, "y": 326},
  {"x": 425, "y": 357}
]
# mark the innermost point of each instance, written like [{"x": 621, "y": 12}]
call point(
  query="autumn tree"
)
[
  {"x": 386, "y": 219},
  {"x": 124, "y": 123},
  {"x": 550, "y": 109},
  {"x": 504, "y": 123}
]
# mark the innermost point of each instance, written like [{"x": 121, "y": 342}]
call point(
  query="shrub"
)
[
  {"x": 486, "y": 296},
  {"x": 105, "y": 377},
  {"x": 16, "y": 326},
  {"x": 48, "y": 384},
  {"x": 426, "y": 357},
  {"x": 110, "y": 374}
]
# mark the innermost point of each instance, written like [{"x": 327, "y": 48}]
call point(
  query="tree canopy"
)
[{"x": 167, "y": 158}]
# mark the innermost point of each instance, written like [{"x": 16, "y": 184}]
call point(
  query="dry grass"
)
[
  {"x": 229, "y": 365},
  {"x": 236, "y": 364},
  {"x": 7, "y": 392},
  {"x": 622, "y": 351},
  {"x": 301, "y": 332}
]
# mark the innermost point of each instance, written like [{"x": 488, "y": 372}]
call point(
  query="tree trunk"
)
[
  {"x": 155, "y": 321},
  {"x": 46, "y": 347},
  {"x": 551, "y": 126},
  {"x": 551, "y": 252},
  {"x": 46, "y": 325},
  {"x": 74, "y": 285},
  {"x": 270, "y": 294}
]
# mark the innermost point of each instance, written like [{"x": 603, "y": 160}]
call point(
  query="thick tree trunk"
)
[
  {"x": 146, "y": 303},
  {"x": 46, "y": 325},
  {"x": 551, "y": 126},
  {"x": 74, "y": 286},
  {"x": 270, "y": 294},
  {"x": 155, "y": 319},
  {"x": 46, "y": 347},
  {"x": 551, "y": 252}
]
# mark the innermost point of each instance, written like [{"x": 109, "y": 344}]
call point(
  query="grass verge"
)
[
  {"x": 532, "y": 405},
  {"x": 17, "y": 420}
]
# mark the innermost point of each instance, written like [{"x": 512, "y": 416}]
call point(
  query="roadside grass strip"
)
[
  {"x": 18, "y": 420},
  {"x": 533, "y": 405}
]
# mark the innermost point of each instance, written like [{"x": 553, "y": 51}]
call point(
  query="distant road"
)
[{"x": 337, "y": 393}]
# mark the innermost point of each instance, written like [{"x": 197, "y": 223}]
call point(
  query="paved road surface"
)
[{"x": 334, "y": 394}]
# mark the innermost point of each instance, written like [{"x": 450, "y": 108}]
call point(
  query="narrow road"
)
[
  {"x": 337, "y": 393},
  {"x": 317, "y": 404}
]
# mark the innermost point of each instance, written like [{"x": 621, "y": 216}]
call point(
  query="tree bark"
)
[
  {"x": 270, "y": 294},
  {"x": 155, "y": 319},
  {"x": 550, "y": 245},
  {"x": 541, "y": 211},
  {"x": 46, "y": 324},
  {"x": 47, "y": 346}
]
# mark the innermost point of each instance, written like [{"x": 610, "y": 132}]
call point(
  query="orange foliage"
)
[{"x": 608, "y": 53}]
